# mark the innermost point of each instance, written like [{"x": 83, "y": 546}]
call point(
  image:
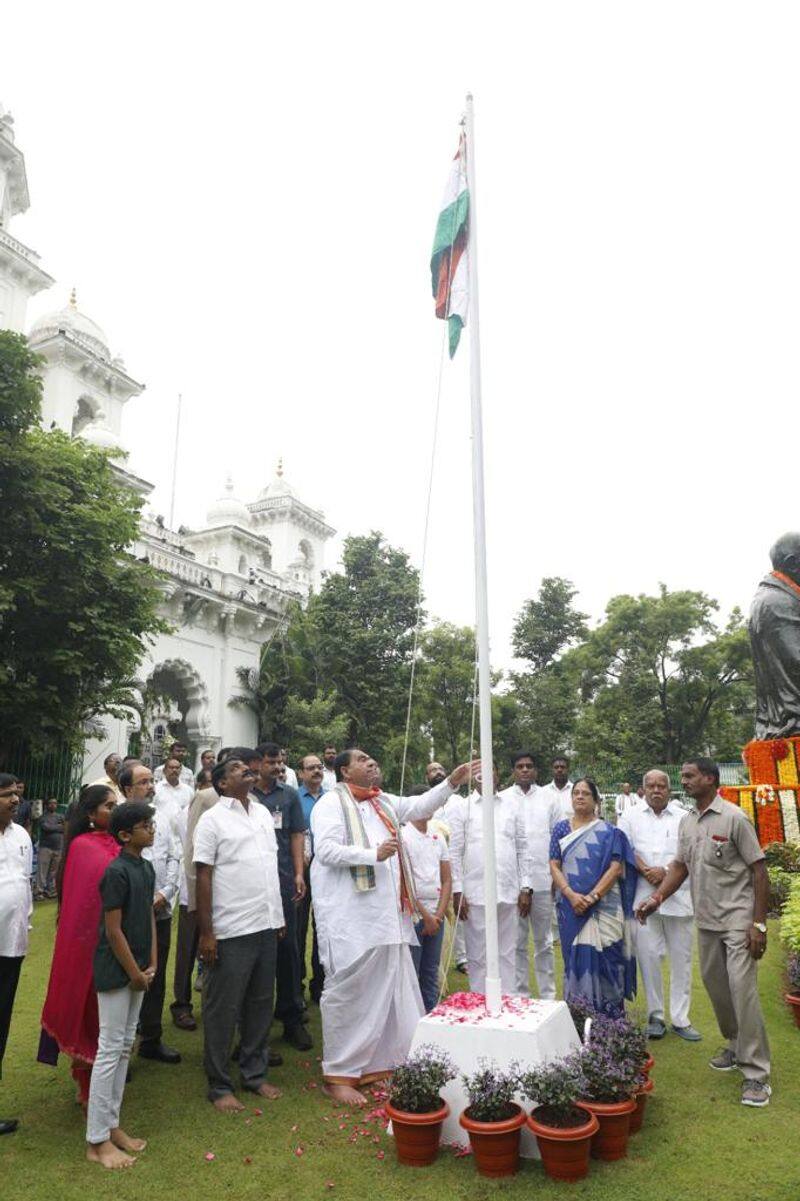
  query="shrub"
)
[
  {"x": 580, "y": 1009},
  {"x": 554, "y": 1088},
  {"x": 785, "y": 855},
  {"x": 491, "y": 1091},
  {"x": 417, "y": 1082},
  {"x": 609, "y": 1075},
  {"x": 780, "y": 883},
  {"x": 790, "y": 919},
  {"x": 626, "y": 1039}
]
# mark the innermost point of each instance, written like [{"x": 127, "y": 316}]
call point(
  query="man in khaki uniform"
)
[{"x": 719, "y": 852}]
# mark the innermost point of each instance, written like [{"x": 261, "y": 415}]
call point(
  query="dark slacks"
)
[
  {"x": 304, "y": 915},
  {"x": 185, "y": 955},
  {"x": 288, "y": 980},
  {"x": 152, "y": 1011},
  {"x": 9, "y": 979},
  {"x": 237, "y": 993}
]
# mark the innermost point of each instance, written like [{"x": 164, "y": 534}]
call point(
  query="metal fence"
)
[{"x": 55, "y": 773}]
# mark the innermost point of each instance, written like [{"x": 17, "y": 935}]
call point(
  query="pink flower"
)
[
  {"x": 258, "y": 1112},
  {"x": 380, "y": 1155},
  {"x": 299, "y": 1151},
  {"x": 210, "y": 1155}
]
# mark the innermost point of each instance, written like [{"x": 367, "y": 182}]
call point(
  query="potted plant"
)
[
  {"x": 415, "y": 1107},
  {"x": 612, "y": 1078},
  {"x": 580, "y": 1009},
  {"x": 492, "y": 1119},
  {"x": 628, "y": 1041},
  {"x": 563, "y": 1127}
]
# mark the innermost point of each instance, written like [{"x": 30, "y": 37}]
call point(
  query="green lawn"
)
[{"x": 697, "y": 1141}]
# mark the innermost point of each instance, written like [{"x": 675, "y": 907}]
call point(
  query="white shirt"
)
[
  {"x": 165, "y": 856},
  {"x": 241, "y": 847},
  {"x": 186, "y": 776},
  {"x": 426, "y": 852},
  {"x": 626, "y": 801},
  {"x": 16, "y": 899},
  {"x": 181, "y": 824},
  {"x": 563, "y": 796},
  {"x": 349, "y": 922},
  {"x": 291, "y": 778},
  {"x": 180, "y": 794},
  {"x": 328, "y": 778},
  {"x": 511, "y": 848},
  {"x": 654, "y": 838},
  {"x": 541, "y": 812}
]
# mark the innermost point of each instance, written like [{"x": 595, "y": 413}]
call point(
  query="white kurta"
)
[{"x": 371, "y": 1001}]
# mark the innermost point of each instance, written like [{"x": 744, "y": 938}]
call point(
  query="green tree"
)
[
  {"x": 547, "y": 626},
  {"x": 310, "y": 725},
  {"x": 660, "y": 680},
  {"x": 445, "y": 690},
  {"x": 76, "y": 608}
]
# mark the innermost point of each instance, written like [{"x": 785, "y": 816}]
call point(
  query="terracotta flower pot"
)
[
  {"x": 611, "y": 1140},
  {"x": 565, "y": 1149},
  {"x": 416, "y": 1135},
  {"x": 792, "y": 999},
  {"x": 495, "y": 1145},
  {"x": 649, "y": 1065},
  {"x": 637, "y": 1117}
]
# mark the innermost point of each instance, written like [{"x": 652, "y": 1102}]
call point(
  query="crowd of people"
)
[{"x": 259, "y": 861}]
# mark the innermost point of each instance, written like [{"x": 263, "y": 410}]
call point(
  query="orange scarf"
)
[{"x": 786, "y": 579}]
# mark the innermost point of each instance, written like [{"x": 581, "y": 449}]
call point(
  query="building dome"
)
[
  {"x": 228, "y": 510},
  {"x": 280, "y": 486},
  {"x": 70, "y": 318}
]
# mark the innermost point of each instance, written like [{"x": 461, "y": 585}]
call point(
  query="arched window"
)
[
  {"x": 307, "y": 553},
  {"x": 265, "y": 556},
  {"x": 84, "y": 415}
]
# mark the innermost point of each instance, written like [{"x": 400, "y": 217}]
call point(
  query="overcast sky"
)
[{"x": 245, "y": 198}]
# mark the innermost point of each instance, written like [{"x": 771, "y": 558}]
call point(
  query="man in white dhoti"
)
[
  {"x": 364, "y": 904},
  {"x": 513, "y": 881},
  {"x": 542, "y": 813}
]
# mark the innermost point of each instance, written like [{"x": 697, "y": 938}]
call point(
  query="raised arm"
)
[{"x": 416, "y": 808}]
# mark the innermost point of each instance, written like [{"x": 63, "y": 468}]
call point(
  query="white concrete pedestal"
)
[{"x": 527, "y": 1030}]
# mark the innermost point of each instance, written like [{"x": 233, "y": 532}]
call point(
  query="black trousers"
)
[
  {"x": 9, "y": 979},
  {"x": 237, "y": 994},
  {"x": 185, "y": 955},
  {"x": 152, "y": 1011},
  {"x": 288, "y": 981},
  {"x": 304, "y": 915}
]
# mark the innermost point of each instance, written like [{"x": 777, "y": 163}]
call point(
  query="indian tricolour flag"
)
[{"x": 449, "y": 274}]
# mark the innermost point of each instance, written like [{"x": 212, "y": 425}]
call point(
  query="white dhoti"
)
[
  {"x": 540, "y": 921},
  {"x": 370, "y": 1011},
  {"x": 475, "y": 938},
  {"x": 661, "y": 936}
]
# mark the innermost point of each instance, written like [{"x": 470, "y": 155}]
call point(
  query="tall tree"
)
[
  {"x": 76, "y": 608},
  {"x": 659, "y": 677},
  {"x": 548, "y": 625},
  {"x": 445, "y": 689}
]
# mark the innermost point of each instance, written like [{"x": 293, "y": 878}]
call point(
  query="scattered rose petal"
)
[
  {"x": 299, "y": 1151},
  {"x": 295, "y": 1129},
  {"x": 258, "y": 1112},
  {"x": 381, "y": 1155},
  {"x": 210, "y": 1155},
  {"x": 247, "y": 1159},
  {"x": 329, "y": 1184}
]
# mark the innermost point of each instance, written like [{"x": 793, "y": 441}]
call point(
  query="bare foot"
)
[
  {"x": 126, "y": 1142},
  {"x": 343, "y": 1094},
  {"x": 108, "y": 1155},
  {"x": 228, "y": 1104},
  {"x": 267, "y": 1090}
]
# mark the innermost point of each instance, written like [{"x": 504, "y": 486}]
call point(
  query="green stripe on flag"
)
[
  {"x": 454, "y": 328},
  {"x": 450, "y": 221}
]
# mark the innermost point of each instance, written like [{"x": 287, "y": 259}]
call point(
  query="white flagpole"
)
[{"x": 493, "y": 990}]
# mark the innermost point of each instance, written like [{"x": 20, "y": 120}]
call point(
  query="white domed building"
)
[{"x": 225, "y": 585}]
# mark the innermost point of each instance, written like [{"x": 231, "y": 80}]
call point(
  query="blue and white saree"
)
[{"x": 597, "y": 946}]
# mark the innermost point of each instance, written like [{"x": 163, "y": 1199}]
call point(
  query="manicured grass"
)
[{"x": 698, "y": 1142}]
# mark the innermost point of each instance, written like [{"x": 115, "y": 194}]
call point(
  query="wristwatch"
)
[{"x": 761, "y": 926}]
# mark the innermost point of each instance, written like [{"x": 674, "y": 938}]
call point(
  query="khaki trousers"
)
[{"x": 730, "y": 975}]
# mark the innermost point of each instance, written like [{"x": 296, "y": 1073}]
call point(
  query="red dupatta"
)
[{"x": 70, "y": 1008}]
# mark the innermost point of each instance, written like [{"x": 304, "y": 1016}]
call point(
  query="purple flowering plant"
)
[
  {"x": 580, "y": 1009},
  {"x": 555, "y": 1088},
  {"x": 417, "y": 1081},
  {"x": 626, "y": 1039},
  {"x": 793, "y": 972},
  {"x": 491, "y": 1091},
  {"x": 612, "y": 1070}
]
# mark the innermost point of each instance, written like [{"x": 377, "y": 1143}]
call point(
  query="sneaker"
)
[
  {"x": 688, "y": 1032},
  {"x": 723, "y": 1061},
  {"x": 755, "y": 1093}
]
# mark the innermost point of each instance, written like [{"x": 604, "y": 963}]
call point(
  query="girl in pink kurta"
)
[{"x": 69, "y": 1018}]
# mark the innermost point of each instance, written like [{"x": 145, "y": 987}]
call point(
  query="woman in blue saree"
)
[{"x": 594, "y": 871}]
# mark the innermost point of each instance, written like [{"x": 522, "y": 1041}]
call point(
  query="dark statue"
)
[{"x": 775, "y": 639}]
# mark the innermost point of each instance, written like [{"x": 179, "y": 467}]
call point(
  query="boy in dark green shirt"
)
[{"x": 124, "y": 966}]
